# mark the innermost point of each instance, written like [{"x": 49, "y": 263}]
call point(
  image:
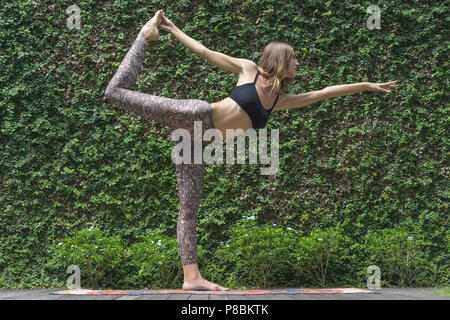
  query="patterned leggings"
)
[{"x": 174, "y": 114}]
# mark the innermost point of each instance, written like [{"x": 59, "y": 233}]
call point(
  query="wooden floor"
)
[{"x": 383, "y": 294}]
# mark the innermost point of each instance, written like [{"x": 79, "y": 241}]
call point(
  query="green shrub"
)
[
  {"x": 100, "y": 258},
  {"x": 323, "y": 257},
  {"x": 151, "y": 262},
  {"x": 258, "y": 255},
  {"x": 399, "y": 253},
  {"x": 254, "y": 256},
  {"x": 156, "y": 262}
]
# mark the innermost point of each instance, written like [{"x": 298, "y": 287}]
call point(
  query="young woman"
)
[{"x": 249, "y": 105}]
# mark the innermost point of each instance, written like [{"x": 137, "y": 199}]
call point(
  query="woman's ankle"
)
[{"x": 191, "y": 272}]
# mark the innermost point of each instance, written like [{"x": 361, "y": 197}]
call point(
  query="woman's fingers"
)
[
  {"x": 383, "y": 86},
  {"x": 392, "y": 84},
  {"x": 163, "y": 22},
  {"x": 166, "y": 24}
]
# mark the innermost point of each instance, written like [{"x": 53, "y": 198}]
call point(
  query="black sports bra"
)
[{"x": 247, "y": 97}]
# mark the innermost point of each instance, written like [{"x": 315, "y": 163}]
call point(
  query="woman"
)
[{"x": 249, "y": 106}]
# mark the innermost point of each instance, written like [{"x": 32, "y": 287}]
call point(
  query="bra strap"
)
[
  {"x": 256, "y": 78},
  {"x": 274, "y": 103}
]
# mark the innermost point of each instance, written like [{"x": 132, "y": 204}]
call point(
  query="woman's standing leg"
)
[{"x": 190, "y": 180}]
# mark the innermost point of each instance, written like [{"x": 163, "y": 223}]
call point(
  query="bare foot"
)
[
  {"x": 150, "y": 29},
  {"x": 202, "y": 284}
]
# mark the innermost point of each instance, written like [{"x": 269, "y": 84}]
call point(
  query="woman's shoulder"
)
[
  {"x": 248, "y": 71},
  {"x": 252, "y": 68},
  {"x": 249, "y": 64}
]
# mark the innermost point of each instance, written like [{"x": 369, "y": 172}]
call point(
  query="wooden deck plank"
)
[
  {"x": 154, "y": 297},
  {"x": 218, "y": 297},
  {"x": 179, "y": 296},
  {"x": 199, "y": 297}
]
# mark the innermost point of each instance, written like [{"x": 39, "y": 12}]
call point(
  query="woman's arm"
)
[
  {"x": 345, "y": 89},
  {"x": 187, "y": 41},
  {"x": 220, "y": 60},
  {"x": 292, "y": 101}
]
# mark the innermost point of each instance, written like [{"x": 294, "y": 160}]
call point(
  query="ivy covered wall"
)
[{"x": 70, "y": 160}]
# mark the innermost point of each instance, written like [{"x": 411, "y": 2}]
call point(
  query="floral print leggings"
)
[{"x": 175, "y": 114}]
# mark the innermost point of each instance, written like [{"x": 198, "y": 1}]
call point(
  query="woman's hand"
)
[
  {"x": 381, "y": 87},
  {"x": 166, "y": 24}
]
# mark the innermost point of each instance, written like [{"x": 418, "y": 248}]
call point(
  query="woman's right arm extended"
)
[{"x": 220, "y": 60}]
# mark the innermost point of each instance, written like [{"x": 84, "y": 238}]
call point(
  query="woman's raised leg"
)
[{"x": 174, "y": 113}]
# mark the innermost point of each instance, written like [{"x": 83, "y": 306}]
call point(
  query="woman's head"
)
[{"x": 279, "y": 64}]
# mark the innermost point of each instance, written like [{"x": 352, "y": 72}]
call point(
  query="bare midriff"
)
[{"x": 227, "y": 114}]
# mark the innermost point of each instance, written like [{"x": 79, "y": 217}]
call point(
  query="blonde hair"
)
[{"x": 275, "y": 60}]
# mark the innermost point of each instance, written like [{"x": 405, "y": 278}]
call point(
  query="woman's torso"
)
[{"x": 228, "y": 114}]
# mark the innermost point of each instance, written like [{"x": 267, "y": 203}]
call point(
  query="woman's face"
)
[{"x": 291, "y": 71}]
